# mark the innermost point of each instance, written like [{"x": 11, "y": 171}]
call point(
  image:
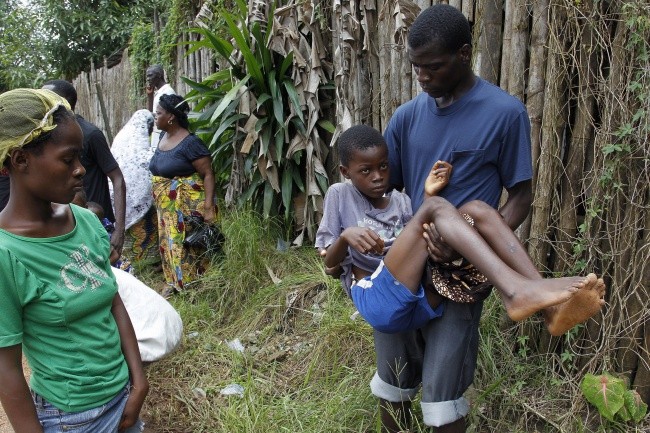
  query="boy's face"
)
[{"x": 368, "y": 171}]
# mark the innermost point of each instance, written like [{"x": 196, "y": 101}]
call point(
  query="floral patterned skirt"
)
[
  {"x": 174, "y": 200},
  {"x": 141, "y": 239}
]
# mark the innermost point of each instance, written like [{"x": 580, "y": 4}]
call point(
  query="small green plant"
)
[{"x": 613, "y": 399}]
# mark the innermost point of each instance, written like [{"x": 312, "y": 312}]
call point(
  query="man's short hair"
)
[
  {"x": 443, "y": 24},
  {"x": 358, "y": 138},
  {"x": 63, "y": 88},
  {"x": 157, "y": 70}
]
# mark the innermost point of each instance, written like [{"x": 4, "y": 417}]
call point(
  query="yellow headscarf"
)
[{"x": 25, "y": 114}]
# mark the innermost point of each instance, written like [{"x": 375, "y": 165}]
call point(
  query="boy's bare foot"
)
[
  {"x": 583, "y": 304},
  {"x": 537, "y": 295}
]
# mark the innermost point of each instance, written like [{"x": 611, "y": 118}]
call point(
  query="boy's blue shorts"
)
[{"x": 388, "y": 306}]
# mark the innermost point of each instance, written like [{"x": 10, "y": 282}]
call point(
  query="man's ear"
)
[
  {"x": 466, "y": 53},
  {"x": 344, "y": 171}
]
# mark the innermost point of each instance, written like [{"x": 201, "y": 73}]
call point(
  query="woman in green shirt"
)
[{"x": 58, "y": 298}]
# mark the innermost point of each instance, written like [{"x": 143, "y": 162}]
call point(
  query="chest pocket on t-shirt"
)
[{"x": 467, "y": 166}]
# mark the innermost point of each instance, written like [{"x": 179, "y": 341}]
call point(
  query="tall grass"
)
[{"x": 306, "y": 364}]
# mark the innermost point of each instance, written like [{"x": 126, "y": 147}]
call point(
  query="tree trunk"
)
[
  {"x": 535, "y": 93},
  {"x": 517, "y": 50},
  {"x": 487, "y": 32},
  {"x": 505, "y": 48},
  {"x": 553, "y": 124},
  {"x": 581, "y": 138}
]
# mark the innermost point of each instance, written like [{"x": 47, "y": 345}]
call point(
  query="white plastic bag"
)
[{"x": 158, "y": 326}]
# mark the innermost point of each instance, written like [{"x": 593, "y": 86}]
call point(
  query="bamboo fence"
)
[{"x": 571, "y": 63}]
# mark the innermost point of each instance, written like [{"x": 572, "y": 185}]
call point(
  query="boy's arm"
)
[
  {"x": 139, "y": 383},
  {"x": 361, "y": 239},
  {"x": 335, "y": 253},
  {"x": 14, "y": 392},
  {"x": 334, "y": 242},
  {"x": 437, "y": 179}
]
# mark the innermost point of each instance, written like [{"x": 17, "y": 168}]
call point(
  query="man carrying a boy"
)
[{"x": 484, "y": 133}]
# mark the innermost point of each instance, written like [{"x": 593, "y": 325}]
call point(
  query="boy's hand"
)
[
  {"x": 437, "y": 179},
  {"x": 335, "y": 271},
  {"x": 363, "y": 240}
]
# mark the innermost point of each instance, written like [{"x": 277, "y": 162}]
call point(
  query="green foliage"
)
[
  {"x": 79, "y": 32},
  {"x": 272, "y": 172},
  {"x": 177, "y": 13},
  {"x": 22, "y": 60},
  {"x": 612, "y": 398},
  {"x": 142, "y": 52},
  {"x": 306, "y": 365}
]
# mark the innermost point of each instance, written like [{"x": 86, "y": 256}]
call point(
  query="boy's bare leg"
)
[
  {"x": 559, "y": 317},
  {"x": 539, "y": 293},
  {"x": 500, "y": 237},
  {"x": 406, "y": 257}
]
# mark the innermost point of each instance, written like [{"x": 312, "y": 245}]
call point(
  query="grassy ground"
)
[{"x": 306, "y": 364}]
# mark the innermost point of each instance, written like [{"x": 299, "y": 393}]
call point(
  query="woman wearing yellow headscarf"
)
[{"x": 58, "y": 297}]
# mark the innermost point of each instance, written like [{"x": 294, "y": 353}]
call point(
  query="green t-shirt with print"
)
[{"x": 55, "y": 298}]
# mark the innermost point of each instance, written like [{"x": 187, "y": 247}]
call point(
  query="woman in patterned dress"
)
[{"x": 183, "y": 185}]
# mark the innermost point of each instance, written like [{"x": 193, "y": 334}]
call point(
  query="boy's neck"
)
[{"x": 379, "y": 203}]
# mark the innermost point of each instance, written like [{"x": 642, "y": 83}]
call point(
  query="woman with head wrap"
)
[
  {"x": 132, "y": 151},
  {"x": 58, "y": 302},
  {"x": 183, "y": 185}
]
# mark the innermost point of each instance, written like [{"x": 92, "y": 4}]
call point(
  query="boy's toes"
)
[
  {"x": 600, "y": 287},
  {"x": 590, "y": 282}
]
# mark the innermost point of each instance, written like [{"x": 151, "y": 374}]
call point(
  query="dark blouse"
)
[{"x": 177, "y": 162}]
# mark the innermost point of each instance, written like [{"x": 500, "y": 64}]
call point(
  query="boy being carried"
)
[{"x": 383, "y": 271}]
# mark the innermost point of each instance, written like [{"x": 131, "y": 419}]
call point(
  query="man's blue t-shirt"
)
[{"x": 485, "y": 135}]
